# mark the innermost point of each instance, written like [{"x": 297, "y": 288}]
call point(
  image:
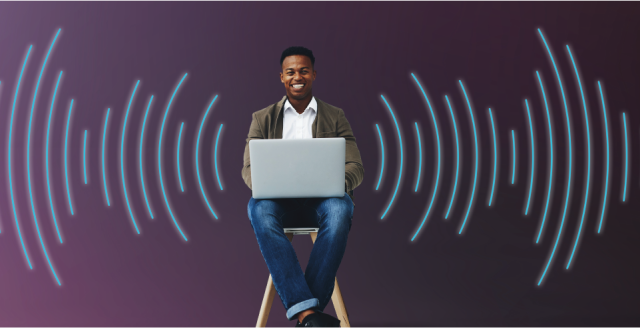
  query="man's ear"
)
[{"x": 281, "y": 80}]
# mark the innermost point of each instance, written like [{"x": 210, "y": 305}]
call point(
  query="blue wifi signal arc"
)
[
  {"x": 606, "y": 184},
  {"x": 513, "y": 152},
  {"x": 53, "y": 211},
  {"x": 477, "y": 155},
  {"x": 204, "y": 196},
  {"x": 435, "y": 188},
  {"x": 122, "y": 172},
  {"x": 178, "y": 157},
  {"x": 533, "y": 158},
  {"x": 84, "y": 157},
  {"x": 495, "y": 159},
  {"x": 166, "y": 201},
  {"x": 144, "y": 188},
  {"x": 588, "y": 134},
  {"x": 215, "y": 156},
  {"x": 381, "y": 157},
  {"x": 104, "y": 174},
  {"x": 626, "y": 157},
  {"x": 10, "y": 175},
  {"x": 420, "y": 156},
  {"x": 401, "y": 158},
  {"x": 66, "y": 165},
  {"x": 455, "y": 131},
  {"x": 550, "y": 131}
]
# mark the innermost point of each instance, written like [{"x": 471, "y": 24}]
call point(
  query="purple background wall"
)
[{"x": 487, "y": 276}]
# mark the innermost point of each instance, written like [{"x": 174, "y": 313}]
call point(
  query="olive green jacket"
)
[{"x": 330, "y": 122}]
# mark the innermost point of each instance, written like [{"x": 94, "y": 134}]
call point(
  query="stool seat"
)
[
  {"x": 269, "y": 294},
  {"x": 300, "y": 231}
]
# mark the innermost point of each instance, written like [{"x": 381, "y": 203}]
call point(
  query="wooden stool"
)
[{"x": 270, "y": 292}]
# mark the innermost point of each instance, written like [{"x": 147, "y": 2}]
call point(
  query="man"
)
[{"x": 299, "y": 115}]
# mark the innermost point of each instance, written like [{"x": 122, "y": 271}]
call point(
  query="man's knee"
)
[
  {"x": 262, "y": 212},
  {"x": 337, "y": 213},
  {"x": 337, "y": 207}
]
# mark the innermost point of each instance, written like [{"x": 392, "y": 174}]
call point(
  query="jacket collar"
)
[
  {"x": 320, "y": 113},
  {"x": 313, "y": 105}
]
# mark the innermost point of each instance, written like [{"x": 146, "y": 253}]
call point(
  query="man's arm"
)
[
  {"x": 353, "y": 169},
  {"x": 255, "y": 132}
]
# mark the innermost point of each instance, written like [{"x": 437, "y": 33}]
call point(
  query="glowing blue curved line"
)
[
  {"x": 144, "y": 191},
  {"x": 160, "y": 156},
  {"x": 626, "y": 158},
  {"x": 420, "y": 154},
  {"x": 204, "y": 196},
  {"x": 568, "y": 191},
  {"x": 551, "y": 152},
  {"x": 124, "y": 184},
  {"x": 178, "y": 157},
  {"x": 84, "y": 157},
  {"x": 53, "y": 212},
  {"x": 401, "y": 158},
  {"x": 104, "y": 138},
  {"x": 455, "y": 128},
  {"x": 13, "y": 204},
  {"x": 33, "y": 209},
  {"x": 586, "y": 193},
  {"x": 66, "y": 167},
  {"x": 606, "y": 186},
  {"x": 533, "y": 155},
  {"x": 0, "y": 228},
  {"x": 382, "y": 160},
  {"x": 513, "y": 172},
  {"x": 435, "y": 188},
  {"x": 495, "y": 158},
  {"x": 435, "y": 123},
  {"x": 215, "y": 156},
  {"x": 475, "y": 178}
]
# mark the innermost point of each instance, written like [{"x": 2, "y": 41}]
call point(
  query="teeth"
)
[{"x": 298, "y": 86}]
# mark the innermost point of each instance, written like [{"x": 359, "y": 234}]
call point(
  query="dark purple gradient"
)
[{"x": 485, "y": 277}]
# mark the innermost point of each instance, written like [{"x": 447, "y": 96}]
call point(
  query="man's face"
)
[{"x": 297, "y": 71}]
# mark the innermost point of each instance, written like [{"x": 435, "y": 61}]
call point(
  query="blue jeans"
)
[{"x": 312, "y": 289}]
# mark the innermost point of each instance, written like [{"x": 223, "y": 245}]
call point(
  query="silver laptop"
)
[{"x": 297, "y": 168}]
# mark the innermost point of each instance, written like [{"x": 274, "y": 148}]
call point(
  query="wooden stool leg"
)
[
  {"x": 267, "y": 300},
  {"x": 336, "y": 297},
  {"x": 338, "y": 304}
]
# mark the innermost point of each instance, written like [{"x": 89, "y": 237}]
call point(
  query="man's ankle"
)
[{"x": 304, "y": 313}]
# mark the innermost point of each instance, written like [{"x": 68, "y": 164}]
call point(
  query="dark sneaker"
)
[{"x": 318, "y": 319}]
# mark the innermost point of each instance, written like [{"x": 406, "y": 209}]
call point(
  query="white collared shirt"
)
[{"x": 298, "y": 126}]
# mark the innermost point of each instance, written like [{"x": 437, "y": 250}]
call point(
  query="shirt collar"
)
[{"x": 313, "y": 104}]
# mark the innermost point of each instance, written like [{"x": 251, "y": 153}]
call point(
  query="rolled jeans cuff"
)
[{"x": 299, "y": 307}]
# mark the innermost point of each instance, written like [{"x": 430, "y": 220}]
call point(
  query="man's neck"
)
[{"x": 300, "y": 105}]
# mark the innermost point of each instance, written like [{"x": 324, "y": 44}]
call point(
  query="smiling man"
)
[{"x": 300, "y": 115}]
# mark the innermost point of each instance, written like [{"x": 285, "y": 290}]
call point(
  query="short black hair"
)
[{"x": 291, "y": 51}]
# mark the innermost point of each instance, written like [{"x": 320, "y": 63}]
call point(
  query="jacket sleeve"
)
[
  {"x": 255, "y": 132},
  {"x": 353, "y": 169}
]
